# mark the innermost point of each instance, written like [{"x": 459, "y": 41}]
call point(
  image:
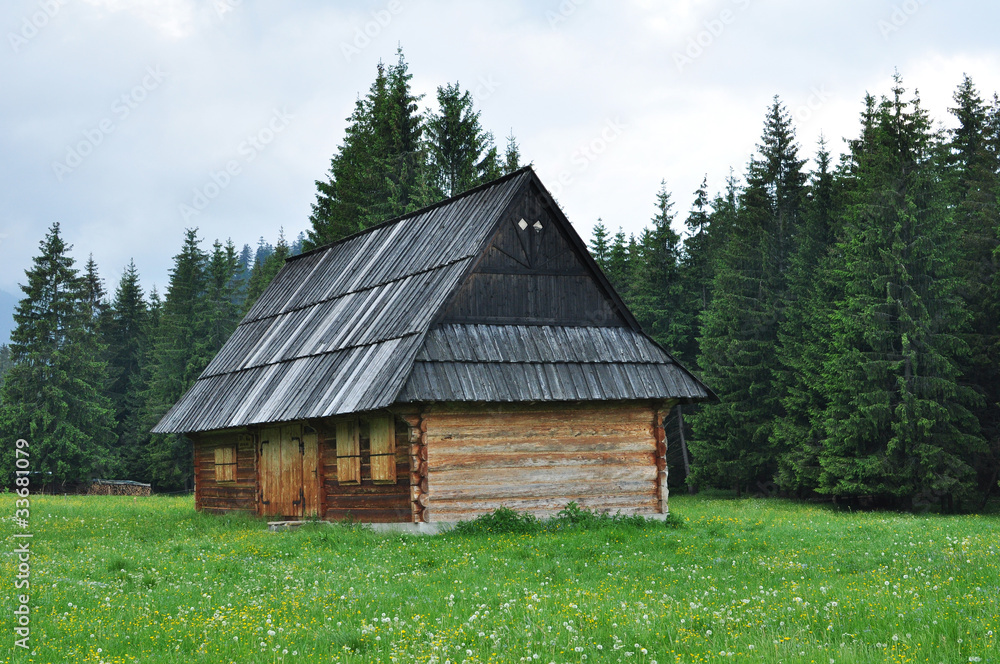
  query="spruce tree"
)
[
  {"x": 5, "y": 363},
  {"x": 897, "y": 423},
  {"x": 461, "y": 151},
  {"x": 94, "y": 298},
  {"x": 975, "y": 187},
  {"x": 599, "y": 245},
  {"x": 177, "y": 360},
  {"x": 658, "y": 295},
  {"x": 695, "y": 274},
  {"x": 53, "y": 394},
  {"x": 126, "y": 338},
  {"x": 733, "y": 443},
  {"x": 617, "y": 267},
  {"x": 512, "y": 155},
  {"x": 220, "y": 313},
  {"x": 380, "y": 169},
  {"x": 803, "y": 337},
  {"x": 265, "y": 271}
]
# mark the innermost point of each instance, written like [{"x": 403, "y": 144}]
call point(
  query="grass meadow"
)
[{"x": 151, "y": 580}]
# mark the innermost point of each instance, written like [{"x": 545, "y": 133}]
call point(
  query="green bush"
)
[
  {"x": 571, "y": 517},
  {"x": 501, "y": 520}
]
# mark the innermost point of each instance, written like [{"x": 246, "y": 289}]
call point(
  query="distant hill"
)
[{"x": 8, "y": 303}]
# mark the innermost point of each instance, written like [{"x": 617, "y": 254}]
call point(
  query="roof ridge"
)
[{"x": 451, "y": 199}]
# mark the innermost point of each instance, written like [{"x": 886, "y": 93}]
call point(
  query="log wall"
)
[
  {"x": 367, "y": 501},
  {"x": 213, "y": 496},
  {"x": 603, "y": 456},
  {"x": 457, "y": 461}
]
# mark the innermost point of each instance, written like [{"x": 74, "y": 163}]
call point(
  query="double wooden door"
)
[{"x": 289, "y": 472}]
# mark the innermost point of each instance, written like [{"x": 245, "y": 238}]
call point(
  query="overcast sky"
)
[{"x": 119, "y": 117}]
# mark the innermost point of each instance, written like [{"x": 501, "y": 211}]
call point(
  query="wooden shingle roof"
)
[{"x": 354, "y": 326}]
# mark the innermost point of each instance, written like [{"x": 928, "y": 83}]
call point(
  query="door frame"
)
[{"x": 298, "y": 443}]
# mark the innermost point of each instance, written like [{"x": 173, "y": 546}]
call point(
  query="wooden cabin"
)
[{"x": 435, "y": 367}]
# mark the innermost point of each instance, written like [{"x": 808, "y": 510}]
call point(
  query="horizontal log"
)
[
  {"x": 442, "y": 410},
  {"x": 560, "y": 459},
  {"x": 468, "y": 515},
  {"x": 369, "y": 502},
  {"x": 600, "y": 503},
  {"x": 226, "y": 491},
  {"x": 370, "y": 515},
  {"x": 367, "y": 484},
  {"x": 423, "y": 499},
  {"x": 548, "y": 475},
  {"x": 477, "y": 430},
  {"x": 511, "y": 444},
  {"x": 411, "y": 419},
  {"x": 241, "y": 475},
  {"x": 541, "y": 490},
  {"x": 228, "y": 504},
  {"x": 225, "y": 510},
  {"x": 403, "y": 496}
]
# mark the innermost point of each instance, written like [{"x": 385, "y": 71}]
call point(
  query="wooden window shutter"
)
[
  {"x": 382, "y": 434},
  {"x": 225, "y": 464},
  {"x": 348, "y": 453}
]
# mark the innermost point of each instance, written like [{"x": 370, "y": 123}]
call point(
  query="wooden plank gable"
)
[{"x": 532, "y": 273}]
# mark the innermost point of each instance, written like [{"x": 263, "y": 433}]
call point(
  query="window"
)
[
  {"x": 348, "y": 453},
  {"x": 225, "y": 463},
  {"x": 382, "y": 432}
]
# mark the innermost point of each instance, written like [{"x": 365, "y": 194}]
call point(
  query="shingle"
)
[{"x": 337, "y": 329}]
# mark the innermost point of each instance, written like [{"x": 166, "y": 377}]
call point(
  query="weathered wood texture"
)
[
  {"x": 662, "y": 488},
  {"x": 602, "y": 456},
  {"x": 366, "y": 500},
  {"x": 289, "y": 477},
  {"x": 530, "y": 274},
  {"x": 212, "y": 495}
]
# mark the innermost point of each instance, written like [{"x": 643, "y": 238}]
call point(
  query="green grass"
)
[{"x": 741, "y": 581}]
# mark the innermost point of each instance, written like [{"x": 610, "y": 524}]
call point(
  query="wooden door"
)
[
  {"x": 290, "y": 490},
  {"x": 310, "y": 475},
  {"x": 270, "y": 470},
  {"x": 289, "y": 477}
]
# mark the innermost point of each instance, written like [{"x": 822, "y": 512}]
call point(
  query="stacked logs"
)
[
  {"x": 661, "y": 459},
  {"x": 118, "y": 488},
  {"x": 419, "y": 499}
]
